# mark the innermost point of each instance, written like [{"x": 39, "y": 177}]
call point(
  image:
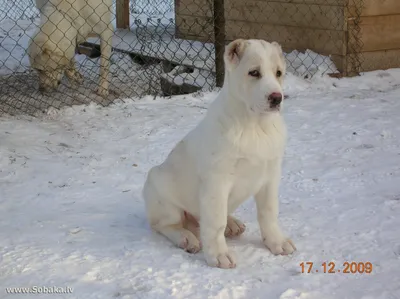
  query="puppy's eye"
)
[
  {"x": 255, "y": 73},
  {"x": 278, "y": 73}
]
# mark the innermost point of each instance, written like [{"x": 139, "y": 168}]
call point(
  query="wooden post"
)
[
  {"x": 219, "y": 40},
  {"x": 122, "y": 14}
]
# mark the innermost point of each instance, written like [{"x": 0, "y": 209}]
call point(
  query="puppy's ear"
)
[
  {"x": 276, "y": 44},
  {"x": 279, "y": 48},
  {"x": 280, "y": 52},
  {"x": 234, "y": 52}
]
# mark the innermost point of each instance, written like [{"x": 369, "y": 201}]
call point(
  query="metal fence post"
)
[
  {"x": 219, "y": 40},
  {"x": 122, "y": 14}
]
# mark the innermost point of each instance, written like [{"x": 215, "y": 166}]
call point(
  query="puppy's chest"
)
[
  {"x": 247, "y": 171},
  {"x": 256, "y": 162},
  {"x": 255, "y": 156},
  {"x": 250, "y": 176},
  {"x": 257, "y": 144}
]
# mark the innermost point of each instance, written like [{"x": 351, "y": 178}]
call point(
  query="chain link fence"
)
[{"x": 159, "y": 47}]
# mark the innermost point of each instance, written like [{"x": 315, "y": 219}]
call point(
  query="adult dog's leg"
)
[
  {"x": 267, "y": 211},
  {"x": 105, "y": 49},
  {"x": 72, "y": 73},
  {"x": 213, "y": 219}
]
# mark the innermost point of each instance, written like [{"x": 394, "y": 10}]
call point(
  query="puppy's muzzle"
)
[{"x": 275, "y": 99}]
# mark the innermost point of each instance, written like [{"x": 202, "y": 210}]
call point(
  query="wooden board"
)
[
  {"x": 122, "y": 13},
  {"x": 319, "y": 2},
  {"x": 319, "y": 40},
  {"x": 207, "y": 3},
  {"x": 194, "y": 28},
  {"x": 377, "y": 60},
  {"x": 291, "y": 38},
  {"x": 291, "y": 14},
  {"x": 198, "y": 8},
  {"x": 377, "y": 8},
  {"x": 378, "y": 33},
  {"x": 340, "y": 62}
]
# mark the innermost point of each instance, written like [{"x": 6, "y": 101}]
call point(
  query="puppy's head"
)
[
  {"x": 50, "y": 66},
  {"x": 255, "y": 70}
]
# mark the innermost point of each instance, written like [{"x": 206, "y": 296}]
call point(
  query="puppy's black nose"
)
[{"x": 275, "y": 99}]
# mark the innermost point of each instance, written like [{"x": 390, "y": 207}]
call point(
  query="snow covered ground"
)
[{"x": 72, "y": 216}]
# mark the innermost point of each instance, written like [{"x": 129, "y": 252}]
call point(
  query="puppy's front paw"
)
[
  {"x": 224, "y": 260},
  {"x": 234, "y": 227},
  {"x": 280, "y": 245}
]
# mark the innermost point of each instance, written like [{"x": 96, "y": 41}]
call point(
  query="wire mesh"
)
[{"x": 167, "y": 48}]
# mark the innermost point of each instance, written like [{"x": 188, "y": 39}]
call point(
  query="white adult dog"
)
[
  {"x": 64, "y": 24},
  {"x": 234, "y": 153}
]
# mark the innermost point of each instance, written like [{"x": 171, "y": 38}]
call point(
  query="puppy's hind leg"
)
[
  {"x": 168, "y": 220},
  {"x": 192, "y": 224}
]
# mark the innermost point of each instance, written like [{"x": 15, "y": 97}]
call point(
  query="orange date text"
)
[{"x": 332, "y": 267}]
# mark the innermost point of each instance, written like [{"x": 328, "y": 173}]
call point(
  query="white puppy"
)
[
  {"x": 64, "y": 24},
  {"x": 234, "y": 153}
]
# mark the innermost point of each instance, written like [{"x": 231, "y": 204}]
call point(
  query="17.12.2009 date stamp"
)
[{"x": 331, "y": 267}]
